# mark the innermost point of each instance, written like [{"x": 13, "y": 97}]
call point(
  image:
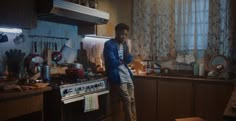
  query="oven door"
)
[{"x": 73, "y": 109}]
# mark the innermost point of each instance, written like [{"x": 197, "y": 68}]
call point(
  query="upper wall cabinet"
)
[
  {"x": 70, "y": 13},
  {"x": 21, "y": 13}
]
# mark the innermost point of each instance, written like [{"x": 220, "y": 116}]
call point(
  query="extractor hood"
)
[{"x": 68, "y": 12}]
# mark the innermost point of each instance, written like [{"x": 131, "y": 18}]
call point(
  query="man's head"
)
[{"x": 121, "y": 30}]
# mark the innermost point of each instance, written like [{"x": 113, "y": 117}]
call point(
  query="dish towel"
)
[{"x": 91, "y": 102}]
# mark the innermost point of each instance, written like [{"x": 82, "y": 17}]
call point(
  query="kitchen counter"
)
[
  {"x": 18, "y": 94},
  {"x": 21, "y": 103},
  {"x": 205, "y": 79},
  {"x": 167, "y": 97}
]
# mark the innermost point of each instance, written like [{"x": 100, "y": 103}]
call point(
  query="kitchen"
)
[{"x": 174, "y": 94}]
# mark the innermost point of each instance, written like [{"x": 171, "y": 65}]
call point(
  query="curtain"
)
[
  {"x": 219, "y": 28},
  {"x": 152, "y": 28},
  {"x": 158, "y": 33},
  {"x": 191, "y": 24}
]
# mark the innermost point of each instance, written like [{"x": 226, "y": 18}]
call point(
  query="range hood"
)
[{"x": 68, "y": 12}]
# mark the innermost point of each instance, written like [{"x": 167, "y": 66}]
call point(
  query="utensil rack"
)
[
  {"x": 45, "y": 36},
  {"x": 42, "y": 42}
]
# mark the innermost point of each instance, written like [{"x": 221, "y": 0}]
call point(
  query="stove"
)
[
  {"x": 66, "y": 101},
  {"x": 76, "y": 91}
]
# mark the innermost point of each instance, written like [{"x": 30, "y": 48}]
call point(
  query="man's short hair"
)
[{"x": 121, "y": 26}]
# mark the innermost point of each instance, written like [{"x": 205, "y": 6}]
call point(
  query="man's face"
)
[{"x": 121, "y": 35}]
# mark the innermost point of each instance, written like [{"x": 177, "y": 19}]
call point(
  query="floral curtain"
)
[
  {"x": 219, "y": 28},
  {"x": 152, "y": 29}
]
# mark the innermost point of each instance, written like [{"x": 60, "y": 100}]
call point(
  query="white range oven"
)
[{"x": 67, "y": 101}]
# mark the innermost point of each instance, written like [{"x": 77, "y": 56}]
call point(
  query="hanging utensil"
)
[
  {"x": 3, "y": 38},
  {"x": 20, "y": 38}
]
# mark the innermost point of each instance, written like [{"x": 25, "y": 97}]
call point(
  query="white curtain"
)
[{"x": 191, "y": 24}]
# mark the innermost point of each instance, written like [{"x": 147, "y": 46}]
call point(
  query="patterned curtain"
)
[
  {"x": 152, "y": 29},
  {"x": 219, "y": 28}
]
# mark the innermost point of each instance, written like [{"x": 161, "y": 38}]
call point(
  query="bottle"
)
[
  {"x": 148, "y": 68},
  {"x": 45, "y": 72},
  {"x": 195, "y": 69}
]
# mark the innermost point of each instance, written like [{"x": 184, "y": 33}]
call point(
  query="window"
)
[{"x": 191, "y": 24}]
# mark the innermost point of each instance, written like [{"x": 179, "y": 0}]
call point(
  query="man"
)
[{"x": 117, "y": 56}]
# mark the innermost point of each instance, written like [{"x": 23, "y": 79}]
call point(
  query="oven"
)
[{"x": 67, "y": 101}]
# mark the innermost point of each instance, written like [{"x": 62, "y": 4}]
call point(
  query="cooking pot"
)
[
  {"x": 19, "y": 39},
  {"x": 3, "y": 38},
  {"x": 75, "y": 73}
]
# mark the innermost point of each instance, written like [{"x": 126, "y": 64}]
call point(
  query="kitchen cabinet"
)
[
  {"x": 211, "y": 99},
  {"x": 165, "y": 98},
  {"x": 23, "y": 106},
  {"x": 146, "y": 98},
  {"x": 20, "y": 14},
  {"x": 175, "y": 99}
]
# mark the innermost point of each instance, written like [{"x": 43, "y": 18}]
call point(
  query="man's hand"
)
[{"x": 126, "y": 48}]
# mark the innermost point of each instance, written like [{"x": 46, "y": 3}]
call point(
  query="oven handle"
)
[{"x": 74, "y": 99}]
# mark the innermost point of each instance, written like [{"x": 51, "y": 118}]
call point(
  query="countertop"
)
[{"x": 205, "y": 79}]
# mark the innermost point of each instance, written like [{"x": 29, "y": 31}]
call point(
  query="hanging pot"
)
[
  {"x": 3, "y": 38},
  {"x": 19, "y": 39}
]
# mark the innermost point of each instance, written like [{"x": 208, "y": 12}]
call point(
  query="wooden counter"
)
[
  {"x": 204, "y": 79},
  {"x": 16, "y": 104},
  {"x": 166, "y": 98}
]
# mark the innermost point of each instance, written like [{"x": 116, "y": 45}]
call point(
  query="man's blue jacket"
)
[{"x": 112, "y": 60}]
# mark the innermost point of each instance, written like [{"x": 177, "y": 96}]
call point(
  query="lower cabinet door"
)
[
  {"x": 146, "y": 98},
  {"x": 175, "y": 99},
  {"x": 211, "y": 99}
]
